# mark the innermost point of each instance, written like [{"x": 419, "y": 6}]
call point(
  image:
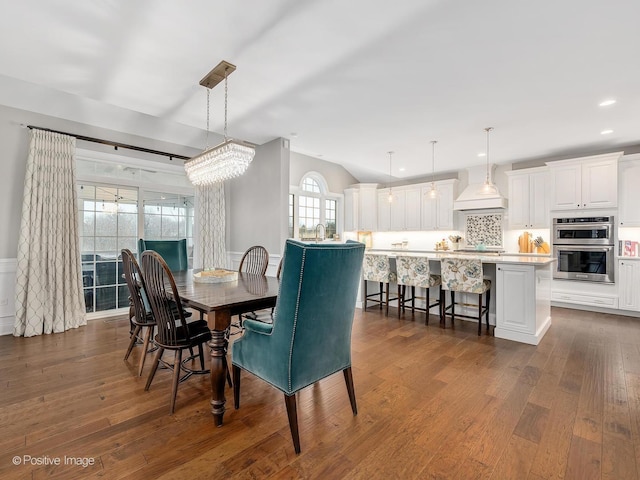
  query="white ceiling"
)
[{"x": 352, "y": 79}]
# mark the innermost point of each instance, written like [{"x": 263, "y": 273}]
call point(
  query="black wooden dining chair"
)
[
  {"x": 142, "y": 318},
  {"x": 174, "y": 333},
  {"x": 255, "y": 260}
]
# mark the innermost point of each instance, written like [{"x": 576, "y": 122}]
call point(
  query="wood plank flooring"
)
[{"x": 432, "y": 404}]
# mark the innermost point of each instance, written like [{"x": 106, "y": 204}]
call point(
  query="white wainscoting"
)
[
  {"x": 233, "y": 259},
  {"x": 7, "y": 294}
]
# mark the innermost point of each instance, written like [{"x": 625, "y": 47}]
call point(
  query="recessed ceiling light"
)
[
  {"x": 402, "y": 169},
  {"x": 606, "y": 132},
  {"x": 482, "y": 154},
  {"x": 294, "y": 135},
  {"x": 606, "y": 103}
]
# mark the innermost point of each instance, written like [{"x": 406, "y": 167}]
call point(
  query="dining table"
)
[{"x": 219, "y": 302}]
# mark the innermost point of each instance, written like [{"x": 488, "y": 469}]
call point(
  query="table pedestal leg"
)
[{"x": 218, "y": 345}]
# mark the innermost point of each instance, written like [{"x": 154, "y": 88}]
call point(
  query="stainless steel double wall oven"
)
[{"x": 584, "y": 248}]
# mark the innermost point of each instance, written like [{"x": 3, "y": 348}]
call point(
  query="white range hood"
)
[{"x": 470, "y": 199}]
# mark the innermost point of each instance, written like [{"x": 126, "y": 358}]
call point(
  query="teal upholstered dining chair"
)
[
  {"x": 174, "y": 252},
  {"x": 310, "y": 337}
]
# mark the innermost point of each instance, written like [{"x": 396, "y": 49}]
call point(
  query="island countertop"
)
[{"x": 484, "y": 257}]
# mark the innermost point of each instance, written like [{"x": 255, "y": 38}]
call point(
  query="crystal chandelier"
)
[
  {"x": 433, "y": 193},
  {"x": 488, "y": 188},
  {"x": 229, "y": 159}
]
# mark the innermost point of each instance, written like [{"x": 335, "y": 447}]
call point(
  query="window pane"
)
[
  {"x": 152, "y": 226},
  {"x": 88, "y": 220},
  {"x": 106, "y": 223},
  {"x": 127, "y": 224},
  {"x": 105, "y": 298}
]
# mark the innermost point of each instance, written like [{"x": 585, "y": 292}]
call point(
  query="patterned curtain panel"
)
[
  {"x": 210, "y": 249},
  {"x": 49, "y": 280}
]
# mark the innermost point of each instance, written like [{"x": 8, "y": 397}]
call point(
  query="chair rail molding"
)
[{"x": 8, "y": 267}]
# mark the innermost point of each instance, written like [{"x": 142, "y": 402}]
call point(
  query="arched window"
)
[{"x": 313, "y": 205}]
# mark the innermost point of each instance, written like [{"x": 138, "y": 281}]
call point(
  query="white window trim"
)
[{"x": 324, "y": 194}]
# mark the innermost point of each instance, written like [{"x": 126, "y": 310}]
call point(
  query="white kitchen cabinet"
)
[
  {"x": 401, "y": 214},
  {"x": 628, "y": 192},
  {"x": 522, "y": 302},
  {"x": 360, "y": 207},
  {"x": 384, "y": 210},
  {"x": 628, "y": 282},
  {"x": 529, "y": 198},
  {"x": 437, "y": 214},
  {"x": 589, "y": 182}
]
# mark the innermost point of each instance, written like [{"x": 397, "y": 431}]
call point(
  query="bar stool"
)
[
  {"x": 377, "y": 268},
  {"x": 414, "y": 272},
  {"x": 464, "y": 275}
]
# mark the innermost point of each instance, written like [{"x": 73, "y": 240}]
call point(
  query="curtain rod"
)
[{"x": 112, "y": 144}]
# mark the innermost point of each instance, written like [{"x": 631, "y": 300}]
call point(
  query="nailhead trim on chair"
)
[{"x": 295, "y": 317}]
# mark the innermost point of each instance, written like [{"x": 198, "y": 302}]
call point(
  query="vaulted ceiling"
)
[{"x": 347, "y": 81}]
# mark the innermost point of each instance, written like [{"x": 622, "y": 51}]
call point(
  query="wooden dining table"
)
[{"x": 220, "y": 302}]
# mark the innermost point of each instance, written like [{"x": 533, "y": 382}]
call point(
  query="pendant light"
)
[
  {"x": 488, "y": 188},
  {"x": 229, "y": 159},
  {"x": 390, "y": 197},
  {"x": 433, "y": 193}
]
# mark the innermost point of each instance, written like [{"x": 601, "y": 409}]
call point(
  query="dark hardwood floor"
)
[{"x": 432, "y": 403}]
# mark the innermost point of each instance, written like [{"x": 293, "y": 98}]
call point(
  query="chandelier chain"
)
[
  {"x": 207, "y": 137},
  {"x": 225, "y": 104}
]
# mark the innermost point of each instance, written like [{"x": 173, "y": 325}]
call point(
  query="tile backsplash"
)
[{"x": 486, "y": 228}]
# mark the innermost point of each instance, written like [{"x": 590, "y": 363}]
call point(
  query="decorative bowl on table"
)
[{"x": 218, "y": 275}]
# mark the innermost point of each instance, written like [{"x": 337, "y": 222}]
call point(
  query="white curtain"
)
[
  {"x": 209, "y": 243},
  {"x": 49, "y": 295}
]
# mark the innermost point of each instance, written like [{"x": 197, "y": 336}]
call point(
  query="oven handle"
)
[{"x": 591, "y": 248}]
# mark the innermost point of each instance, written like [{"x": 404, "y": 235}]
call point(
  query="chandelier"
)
[
  {"x": 488, "y": 188},
  {"x": 229, "y": 159}
]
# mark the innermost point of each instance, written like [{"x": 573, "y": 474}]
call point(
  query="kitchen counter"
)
[
  {"x": 522, "y": 286},
  {"x": 485, "y": 257}
]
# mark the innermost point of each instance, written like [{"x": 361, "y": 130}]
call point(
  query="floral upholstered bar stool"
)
[
  {"x": 464, "y": 275},
  {"x": 415, "y": 272},
  {"x": 377, "y": 268}
]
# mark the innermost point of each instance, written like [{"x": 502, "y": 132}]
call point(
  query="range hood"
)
[{"x": 470, "y": 199}]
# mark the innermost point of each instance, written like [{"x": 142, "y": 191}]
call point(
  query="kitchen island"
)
[{"x": 521, "y": 287}]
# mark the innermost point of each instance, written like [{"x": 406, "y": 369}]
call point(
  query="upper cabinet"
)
[
  {"x": 589, "y": 182},
  {"x": 529, "y": 198},
  {"x": 437, "y": 213},
  {"x": 628, "y": 192},
  {"x": 400, "y": 213},
  {"x": 360, "y": 207}
]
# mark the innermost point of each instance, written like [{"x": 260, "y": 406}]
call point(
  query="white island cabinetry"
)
[{"x": 523, "y": 301}]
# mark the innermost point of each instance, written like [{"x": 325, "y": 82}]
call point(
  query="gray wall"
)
[
  {"x": 336, "y": 176},
  {"x": 258, "y": 201}
]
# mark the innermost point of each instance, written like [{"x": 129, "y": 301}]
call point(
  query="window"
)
[
  {"x": 168, "y": 216},
  {"x": 112, "y": 217},
  {"x": 109, "y": 223},
  {"x": 313, "y": 205},
  {"x": 291, "y": 210}
]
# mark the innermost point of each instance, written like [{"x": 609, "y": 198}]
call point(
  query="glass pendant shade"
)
[
  {"x": 228, "y": 160},
  {"x": 433, "y": 192},
  {"x": 488, "y": 188}
]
